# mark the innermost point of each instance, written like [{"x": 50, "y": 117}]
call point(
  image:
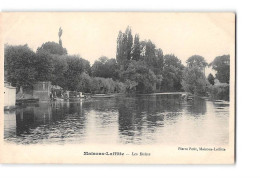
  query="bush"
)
[{"x": 219, "y": 92}]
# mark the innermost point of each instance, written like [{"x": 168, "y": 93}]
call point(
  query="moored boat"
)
[{"x": 103, "y": 96}]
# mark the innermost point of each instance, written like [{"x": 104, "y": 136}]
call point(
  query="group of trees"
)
[
  {"x": 143, "y": 67},
  {"x": 220, "y": 90},
  {"x": 23, "y": 67},
  {"x": 195, "y": 81},
  {"x": 50, "y": 62},
  {"x": 139, "y": 67}
]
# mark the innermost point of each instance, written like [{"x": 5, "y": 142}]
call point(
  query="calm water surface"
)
[{"x": 144, "y": 119}]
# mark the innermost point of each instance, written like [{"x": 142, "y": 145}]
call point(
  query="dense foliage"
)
[
  {"x": 106, "y": 68},
  {"x": 141, "y": 76},
  {"x": 139, "y": 67},
  {"x": 20, "y": 65},
  {"x": 172, "y": 74},
  {"x": 211, "y": 79},
  {"x": 222, "y": 65},
  {"x": 194, "y": 80},
  {"x": 219, "y": 92},
  {"x": 23, "y": 67},
  {"x": 53, "y": 48},
  {"x": 196, "y": 60},
  {"x": 144, "y": 68}
]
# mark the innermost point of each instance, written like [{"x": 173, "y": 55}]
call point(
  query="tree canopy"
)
[
  {"x": 140, "y": 67},
  {"x": 196, "y": 60},
  {"x": 53, "y": 48},
  {"x": 106, "y": 68},
  {"x": 172, "y": 73},
  {"x": 43, "y": 66},
  {"x": 194, "y": 81},
  {"x": 139, "y": 77},
  {"x": 23, "y": 67},
  {"x": 20, "y": 65},
  {"x": 222, "y": 65}
]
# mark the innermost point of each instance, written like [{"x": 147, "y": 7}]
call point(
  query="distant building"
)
[
  {"x": 9, "y": 95},
  {"x": 42, "y": 90}
]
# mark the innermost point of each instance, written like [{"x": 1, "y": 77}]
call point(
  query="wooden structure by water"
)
[{"x": 30, "y": 100}]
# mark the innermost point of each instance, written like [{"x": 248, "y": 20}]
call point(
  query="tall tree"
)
[
  {"x": 222, "y": 65},
  {"x": 121, "y": 55},
  {"x": 124, "y": 45},
  {"x": 119, "y": 49},
  {"x": 150, "y": 54},
  {"x": 129, "y": 42},
  {"x": 136, "y": 51}
]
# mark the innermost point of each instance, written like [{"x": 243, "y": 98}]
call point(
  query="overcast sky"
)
[{"x": 92, "y": 35}]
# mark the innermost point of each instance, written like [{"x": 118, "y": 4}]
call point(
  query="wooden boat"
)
[{"x": 102, "y": 96}]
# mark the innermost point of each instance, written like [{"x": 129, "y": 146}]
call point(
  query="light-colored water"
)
[{"x": 144, "y": 119}]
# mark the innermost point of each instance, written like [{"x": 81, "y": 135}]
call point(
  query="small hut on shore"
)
[{"x": 9, "y": 95}]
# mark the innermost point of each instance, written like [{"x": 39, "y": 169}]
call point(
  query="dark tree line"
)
[{"x": 139, "y": 67}]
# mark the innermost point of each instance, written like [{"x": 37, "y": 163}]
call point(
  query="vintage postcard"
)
[{"x": 117, "y": 87}]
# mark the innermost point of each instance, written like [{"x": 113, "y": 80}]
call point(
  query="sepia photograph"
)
[{"x": 118, "y": 87}]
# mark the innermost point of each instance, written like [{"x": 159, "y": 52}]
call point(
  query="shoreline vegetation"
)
[{"x": 139, "y": 68}]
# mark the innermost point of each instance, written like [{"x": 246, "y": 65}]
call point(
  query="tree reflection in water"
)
[{"x": 143, "y": 119}]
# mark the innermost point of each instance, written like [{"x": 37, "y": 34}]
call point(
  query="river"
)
[{"x": 140, "y": 120}]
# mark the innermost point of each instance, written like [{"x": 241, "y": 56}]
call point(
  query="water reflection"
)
[{"x": 144, "y": 119}]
